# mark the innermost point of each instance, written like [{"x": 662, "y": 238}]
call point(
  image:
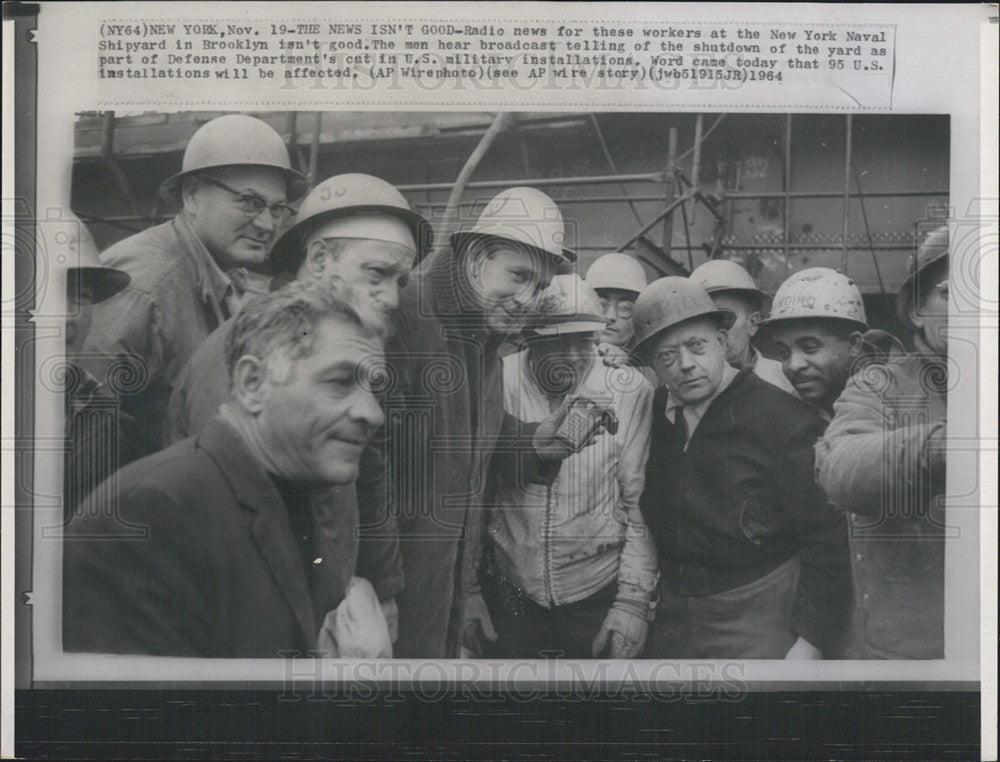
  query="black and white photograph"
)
[{"x": 407, "y": 404}]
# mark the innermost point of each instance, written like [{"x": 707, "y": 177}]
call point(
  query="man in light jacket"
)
[
  {"x": 882, "y": 460},
  {"x": 573, "y": 568}
]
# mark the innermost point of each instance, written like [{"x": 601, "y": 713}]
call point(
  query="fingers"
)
[
  {"x": 601, "y": 640},
  {"x": 487, "y": 624}
]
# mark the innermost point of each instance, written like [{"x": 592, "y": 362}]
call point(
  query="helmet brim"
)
[
  {"x": 771, "y": 322},
  {"x": 567, "y": 325},
  {"x": 105, "y": 281},
  {"x": 724, "y": 319},
  {"x": 297, "y": 183},
  {"x": 463, "y": 238},
  {"x": 904, "y": 297},
  {"x": 287, "y": 253}
]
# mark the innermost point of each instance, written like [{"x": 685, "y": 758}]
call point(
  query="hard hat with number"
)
[
  {"x": 617, "y": 270},
  {"x": 720, "y": 275},
  {"x": 670, "y": 301},
  {"x": 569, "y": 305},
  {"x": 235, "y": 140},
  {"x": 525, "y": 216},
  {"x": 364, "y": 205},
  {"x": 818, "y": 292},
  {"x": 934, "y": 249}
]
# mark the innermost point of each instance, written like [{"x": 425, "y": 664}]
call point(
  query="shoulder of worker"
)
[
  {"x": 155, "y": 259},
  {"x": 769, "y": 410},
  {"x": 909, "y": 375}
]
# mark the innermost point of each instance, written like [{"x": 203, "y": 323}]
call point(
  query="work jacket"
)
[
  {"x": 141, "y": 338},
  {"x": 738, "y": 499},
  {"x": 563, "y": 542},
  {"x": 189, "y": 552},
  {"x": 882, "y": 460}
]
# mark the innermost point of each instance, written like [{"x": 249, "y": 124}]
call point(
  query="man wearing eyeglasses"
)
[{"x": 188, "y": 275}]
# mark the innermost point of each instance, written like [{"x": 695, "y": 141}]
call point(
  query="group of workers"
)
[{"x": 477, "y": 452}]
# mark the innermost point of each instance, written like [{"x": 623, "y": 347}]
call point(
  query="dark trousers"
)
[
  {"x": 527, "y": 630},
  {"x": 747, "y": 622}
]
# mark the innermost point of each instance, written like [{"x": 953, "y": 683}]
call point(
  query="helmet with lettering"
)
[
  {"x": 367, "y": 199},
  {"x": 818, "y": 292},
  {"x": 724, "y": 275},
  {"x": 670, "y": 301},
  {"x": 525, "y": 216},
  {"x": 934, "y": 249},
  {"x": 617, "y": 270},
  {"x": 567, "y": 306},
  {"x": 235, "y": 140}
]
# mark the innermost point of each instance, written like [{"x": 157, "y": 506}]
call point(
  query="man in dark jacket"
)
[
  {"x": 444, "y": 406},
  {"x": 242, "y": 555},
  {"x": 753, "y": 561},
  {"x": 882, "y": 460}
]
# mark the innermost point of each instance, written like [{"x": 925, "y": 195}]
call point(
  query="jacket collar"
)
[
  {"x": 214, "y": 285},
  {"x": 255, "y": 492}
]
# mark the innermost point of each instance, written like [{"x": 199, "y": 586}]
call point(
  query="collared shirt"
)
[
  {"x": 770, "y": 370},
  {"x": 693, "y": 413}
]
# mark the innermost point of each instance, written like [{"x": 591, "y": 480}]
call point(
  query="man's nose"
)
[
  {"x": 796, "y": 361},
  {"x": 388, "y": 296},
  {"x": 365, "y": 408},
  {"x": 264, "y": 221},
  {"x": 685, "y": 358}
]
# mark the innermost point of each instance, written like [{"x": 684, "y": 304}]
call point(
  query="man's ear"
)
[
  {"x": 315, "y": 262},
  {"x": 189, "y": 194},
  {"x": 913, "y": 312},
  {"x": 249, "y": 383},
  {"x": 856, "y": 343},
  {"x": 753, "y": 323},
  {"x": 724, "y": 338}
]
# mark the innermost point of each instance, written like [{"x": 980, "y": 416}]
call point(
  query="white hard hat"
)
[
  {"x": 345, "y": 196},
  {"x": 669, "y": 301},
  {"x": 718, "y": 275},
  {"x": 617, "y": 270},
  {"x": 236, "y": 140},
  {"x": 818, "y": 292},
  {"x": 567, "y": 306},
  {"x": 525, "y": 216}
]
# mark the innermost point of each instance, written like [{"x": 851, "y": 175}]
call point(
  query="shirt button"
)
[
  {"x": 865, "y": 596},
  {"x": 858, "y": 557}
]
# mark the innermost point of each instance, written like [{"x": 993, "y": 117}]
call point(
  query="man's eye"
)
[
  {"x": 252, "y": 203},
  {"x": 376, "y": 274},
  {"x": 518, "y": 276},
  {"x": 667, "y": 358},
  {"x": 810, "y": 348},
  {"x": 698, "y": 346}
]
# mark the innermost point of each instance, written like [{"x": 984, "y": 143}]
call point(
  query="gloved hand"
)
[
  {"x": 356, "y": 629},
  {"x": 390, "y": 610},
  {"x": 475, "y": 624},
  {"x": 612, "y": 355},
  {"x": 625, "y": 630}
]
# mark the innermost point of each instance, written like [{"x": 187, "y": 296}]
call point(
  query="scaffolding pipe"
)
[
  {"x": 667, "y": 242},
  {"x": 786, "y": 184},
  {"x": 539, "y": 182},
  {"x": 314, "y": 149},
  {"x": 652, "y": 223},
  {"x": 847, "y": 193},
  {"x": 696, "y": 163}
]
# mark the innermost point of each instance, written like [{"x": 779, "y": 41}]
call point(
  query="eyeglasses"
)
[
  {"x": 252, "y": 205},
  {"x": 622, "y": 309}
]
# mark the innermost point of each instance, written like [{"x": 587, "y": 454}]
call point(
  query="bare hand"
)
[
  {"x": 803, "y": 649},
  {"x": 475, "y": 623}
]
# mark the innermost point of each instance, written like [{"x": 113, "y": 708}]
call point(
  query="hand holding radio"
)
[{"x": 573, "y": 426}]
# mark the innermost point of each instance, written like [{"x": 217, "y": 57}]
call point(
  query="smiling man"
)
[
  {"x": 753, "y": 561},
  {"x": 244, "y": 554},
  {"x": 234, "y": 188},
  {"x": 444, "y": 405},
  {"x": 816, "y": 329}
]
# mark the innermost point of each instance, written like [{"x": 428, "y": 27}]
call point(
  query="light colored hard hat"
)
[
  {"x": 617, "y": 270},
  {"x": 567, "y": 306},
  {"x": 344, "y": 196},
  {"x": 818, "y": 292},
  {"x": 84, "y": 266},
  {"x": 670, "y": 301},
  {"x": 525, "y": 216},
  {"x": 718, "y": 275},
  {"x": 235, "y": 140},
  {"x": 932, "y": 250}
]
